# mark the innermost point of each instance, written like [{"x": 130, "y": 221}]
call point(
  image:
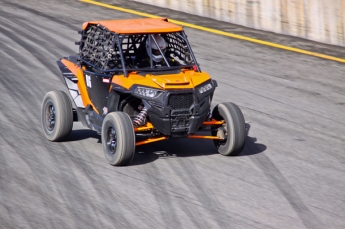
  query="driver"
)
[{"x": 155, "y": 54}]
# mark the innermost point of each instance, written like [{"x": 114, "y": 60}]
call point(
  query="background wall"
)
[{"x": 318, "y": 20}]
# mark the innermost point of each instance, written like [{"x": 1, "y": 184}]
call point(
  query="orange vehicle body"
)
[
  {"x": 136, "y": 26},
  {"x": 186, "y": 79},
  {"x": 137, "y": 81}
]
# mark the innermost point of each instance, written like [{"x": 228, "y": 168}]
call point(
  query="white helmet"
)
[{"x": 156, "y": 55}]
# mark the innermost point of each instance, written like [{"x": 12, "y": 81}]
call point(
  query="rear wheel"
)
[
  {"x": 118, "y": 138},
  {"x": 233, "y": 130},
  {"x": 57, "y": 116}
]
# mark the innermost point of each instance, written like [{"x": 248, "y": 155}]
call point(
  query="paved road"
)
[{"x": 290, "y": 175}]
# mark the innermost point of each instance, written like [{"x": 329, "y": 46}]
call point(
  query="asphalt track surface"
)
[{"x": 291, "y": 173}]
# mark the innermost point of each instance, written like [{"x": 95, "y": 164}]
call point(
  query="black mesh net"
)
[
  {"x": 177, "y": 48},
  {"x": 98, "y": 47},
  {"x": 133, "y": 45}
]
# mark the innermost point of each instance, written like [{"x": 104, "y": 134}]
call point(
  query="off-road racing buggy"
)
[{"x": 130, "y": 104}]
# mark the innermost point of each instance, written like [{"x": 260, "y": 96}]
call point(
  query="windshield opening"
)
[{"x": 158, "y": 52}]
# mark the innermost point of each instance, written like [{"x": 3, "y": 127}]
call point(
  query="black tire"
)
[
  {"x": 234, "y": 129},
  {"x": 118, "y": 138},
  {"x": 56, "y": 116}
]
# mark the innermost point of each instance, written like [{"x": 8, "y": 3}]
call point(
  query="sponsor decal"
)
[
  {"x": 105, "y": 80},
  {"x": 88, "y": 81}
]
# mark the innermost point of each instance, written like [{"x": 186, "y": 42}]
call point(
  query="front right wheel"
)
[
  {"x": 118, "y": 138},
  {"x": 233, "y": 129}
]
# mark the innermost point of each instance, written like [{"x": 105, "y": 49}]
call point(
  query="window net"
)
[{"x": 98, "y": 47}]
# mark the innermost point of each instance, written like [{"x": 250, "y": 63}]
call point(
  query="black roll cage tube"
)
[
  {"x": 160, "y": 50},
  {"x": 150, "y": 54},
  {"x": 121, "y": 54},
  {"x": 184, "y": 37}
]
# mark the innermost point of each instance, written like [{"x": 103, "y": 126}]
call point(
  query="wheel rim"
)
[
  {"x": 50, "y": 116},
  {"x": 111, "y": 140}
]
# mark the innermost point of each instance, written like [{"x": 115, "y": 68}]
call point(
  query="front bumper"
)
[{"x": 179, "y": 113}]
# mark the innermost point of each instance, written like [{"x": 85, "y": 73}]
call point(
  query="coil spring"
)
[{"x": 141, "y": 118}]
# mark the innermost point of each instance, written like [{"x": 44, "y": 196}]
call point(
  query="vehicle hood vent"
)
[{"x": 172, "y": 81}]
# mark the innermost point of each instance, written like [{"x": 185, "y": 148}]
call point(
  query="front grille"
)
[
  {"x": 181, "y": 101},
  {"x": 181, "y": 112}
]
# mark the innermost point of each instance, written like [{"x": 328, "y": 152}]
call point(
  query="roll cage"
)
[{"x": 110, "y": 53}]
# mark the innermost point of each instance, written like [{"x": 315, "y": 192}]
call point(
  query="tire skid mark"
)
[
  {"x": 40, "y": 37},
  {"x": 329, "y": 134},
  {"x": 64, "y": 155},
  {"x": 158, "y": 188},
  {"x": 104, "y": 190},
  {"x": 17, "y": 98},
  {"x": 41, "y": 14},
  {"x": 329, "y": 212},
  {"x": 34, "y": 129},
  {"x": 35, "y": 43},
  {"x": 277, "y": 77},
  {"x": 290, "y": 131},
  {"x": 15, "y": 56},
  {"x": 24, "y": 182},
  {"x": 79, "y": 199},
  {"x": 5, "y": 223},
  {"x": 198, "y": 202},
  {"x": 47, "y": 28},
  {"x": 26, "y": 45},
  {"x": 41, "y": 197},
  {"x": 272, "y": 99},
  {"x": 287, "y": 190},
  {"x": 33, "y": 162},
  {"x": 167, "y": 209},
  {"x": 212, "y": 206},
  {"x": 203, "y": 199},
  {"x": 102, "y": 183},
  {"x": 183, "y": 174},
  {"x": 20, "y": 90}
]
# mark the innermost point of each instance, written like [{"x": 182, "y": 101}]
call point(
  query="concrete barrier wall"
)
[{"x": 318, "y": 20}]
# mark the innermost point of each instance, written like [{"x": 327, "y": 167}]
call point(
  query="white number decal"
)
[{"x": 88, "y": 81}]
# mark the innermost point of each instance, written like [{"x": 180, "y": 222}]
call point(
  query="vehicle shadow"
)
[
  {"x": 172, "y": 148},
  {"x": 81, "y": 134},
  {"x": 251, "y": 147},
  {"x": 189, "y": 148}
]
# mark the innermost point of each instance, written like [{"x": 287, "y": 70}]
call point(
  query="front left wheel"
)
[
  {"x": 118, "y": 138},
  {"x": 232, "y": 131},
  {"x": 57, "y": 116}
]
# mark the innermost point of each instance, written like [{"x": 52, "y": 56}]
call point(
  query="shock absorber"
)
[
  {"x": 141, "y": 118},
  {"x": 209, "y": 115}
]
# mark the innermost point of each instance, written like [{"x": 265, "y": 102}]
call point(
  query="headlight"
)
[
  {"x": 147, "y": 92},
  {"x": 205, "y": 88}
]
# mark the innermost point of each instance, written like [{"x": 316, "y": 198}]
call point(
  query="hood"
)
[
  {"x": 186, "y": 79},
  {"x": 183, "y": 80}
]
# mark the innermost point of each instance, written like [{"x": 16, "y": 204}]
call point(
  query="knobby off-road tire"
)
[
  {"x": 118, "y": 138},
  {"x": 56, "y": 116},
  {"x": 234, "y": 129}
]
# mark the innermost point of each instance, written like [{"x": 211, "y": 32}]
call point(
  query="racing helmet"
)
[{"x": 156, "y": 55}]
